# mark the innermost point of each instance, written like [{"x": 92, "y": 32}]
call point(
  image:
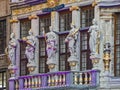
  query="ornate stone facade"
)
[{"x": 102, "y": 59}]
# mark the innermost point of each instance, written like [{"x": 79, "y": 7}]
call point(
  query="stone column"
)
[
  {"x": 53, "y": 65},
  {"x": 107, "y": 63},
  {"x": 35, "y": 29},
  {"x": 107, "y": 26},
  {"x": 75, "y": 63},
  {"x": 15, "y": 26}
]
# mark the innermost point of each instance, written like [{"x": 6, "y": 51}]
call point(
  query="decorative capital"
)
[
  {"x": 74, "y": 8},
  {"x": 14, "y": 20},
  {"x": 94, "y": 3},
  {"x": 33, "y": 16}
]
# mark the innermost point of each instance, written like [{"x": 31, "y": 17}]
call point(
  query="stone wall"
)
[{"x": 4, "y": 8}]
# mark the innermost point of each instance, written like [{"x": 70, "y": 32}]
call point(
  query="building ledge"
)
[{"x": 25, "y": 3}]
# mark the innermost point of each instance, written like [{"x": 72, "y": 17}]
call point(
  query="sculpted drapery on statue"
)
[
  {"x": 12, "y": 48},
  {"x": 30, "y": 48},
  {"x": 94, "y": 37},
  {"x": 51, "y": 41},
  {"x": 71, "y": 39}
]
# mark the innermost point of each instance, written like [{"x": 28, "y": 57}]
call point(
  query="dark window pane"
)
[
  {"x": 44, "y": 22},
  {"x": 2, "y": 36},
  {"x": 43, "y": 67},
  {"x": 25, "y": 26},
  {"x": 63, "y": 54},
  {"x": 65, "y": 18},
  {"x": 87, "y": 14},
  {"x": 117, "y": 46},
  {"x": 23, "y": 60},
  {"x": 84, "y": 51}
]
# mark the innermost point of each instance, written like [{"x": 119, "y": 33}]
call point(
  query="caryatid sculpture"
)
[
  {"x": 94, "y": 38},
  {"x": 71, "y": 39},
  {"x": 51, "y": 41},
  {"x": 30, "y": 48},
  {"x": 12, "y": 48}
]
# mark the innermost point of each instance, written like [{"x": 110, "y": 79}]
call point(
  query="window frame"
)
[
  {"x": 88, "y": 60},
  {"x": 44, "y": 56},
  {"x": 115, "y": 45},
  {"x": 23, "y": 47},
  {"x": 83, "y": 8},
  {"x": 3, "y": 35},
  {"x": 66, "y": 53},
  {"x": 44, "y": 16},
  {"x": 66, "y": 28}
]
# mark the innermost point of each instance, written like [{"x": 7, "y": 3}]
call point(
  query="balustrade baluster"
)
[
  {"x": 36, "y": 81},
  {"x": 49, "y": 80},
  {"x": 25, "y": 83},
  {"x": 29, "y": 82},
  {"x": 39, "y": 81},
  {"x": 86, "y": 78},
  {"x": 90, "y": 78},
  {"x": 56, "y": 80},
  {"x": 64, "y": 79},
  {"x": 33, "y": 82},
  {"x": 75, "y": 78},
  {"x": 80, "y": 79},
  {"x": 16, "y": 84},
  {"x": 60, "y": 79},
  {"x": 52, "y": 80}
]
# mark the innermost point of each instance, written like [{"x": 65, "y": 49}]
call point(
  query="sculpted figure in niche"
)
[
  {"x": 30, "y": 48},
  {"x": 12, "y": 48},
  {"x": 51, "y": 41},
  {"x": 72, "y": 38},
  {"x": 94, "y": 37}
]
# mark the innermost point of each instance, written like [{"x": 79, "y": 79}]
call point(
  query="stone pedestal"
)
[
  {"x": 105, "y": 80},
  {"x": 51, "y": 65},
  {"x": 31, "y": 67},
  {"x": 95, "y": 60},
  {"x": 12, "y": 69},
  {"x": 73, "y": 62}
]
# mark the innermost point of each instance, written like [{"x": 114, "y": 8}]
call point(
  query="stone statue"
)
[
  {"x": 51, "y": 41},
  {"x": 94, "y": 36},
  {"x": 12, "y": 48},
  {"x": 30, "y": 48},
  {"x": 71, "y": 39}
]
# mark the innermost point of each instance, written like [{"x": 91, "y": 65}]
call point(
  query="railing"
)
[
  {"x": 56, "y": 80},
  {"x": 3, "y": 61}
]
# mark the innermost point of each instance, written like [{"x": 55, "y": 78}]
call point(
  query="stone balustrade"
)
[{"x": 65, "y": 79}]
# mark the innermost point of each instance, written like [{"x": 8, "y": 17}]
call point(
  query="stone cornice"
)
[{"x": 26, "y": 3}]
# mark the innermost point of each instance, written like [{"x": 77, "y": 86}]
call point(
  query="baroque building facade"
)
[
  {"x": 4, "y": 38},
  {"x": 65, "y": 66}
]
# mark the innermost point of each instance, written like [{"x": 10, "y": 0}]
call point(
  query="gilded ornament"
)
[
  {"x": 74, "y": 8},
  {"x": 14, "y": 20},
  {"x": 94, "y": 3},
  {"x": 33, "y": 16},
  {"x": 52, "y": 3}
]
